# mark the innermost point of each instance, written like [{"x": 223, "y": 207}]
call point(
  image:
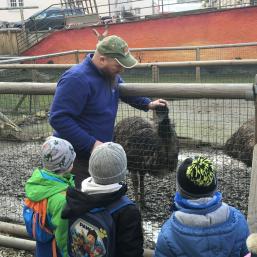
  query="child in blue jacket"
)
[{"x": 202, "y": 224}]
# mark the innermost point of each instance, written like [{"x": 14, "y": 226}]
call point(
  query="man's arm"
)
[{"x": 142, "y": 103}]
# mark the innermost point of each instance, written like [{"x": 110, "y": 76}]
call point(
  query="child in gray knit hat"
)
[
  {"x": 57, "y": 155},
  {"x": 105, "y": 187},
  {"x": 107, "y": 165},
  {"x": 51, "y": 182}
]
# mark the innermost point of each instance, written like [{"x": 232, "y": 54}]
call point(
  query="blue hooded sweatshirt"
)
[
  {"x": 203, "y": 228},
  {"x": 85, "y": 105}
]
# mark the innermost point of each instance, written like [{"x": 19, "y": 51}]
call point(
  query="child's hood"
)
[
  {"x": 43, "y": 184},
  {"x": 79, "y": 202}
]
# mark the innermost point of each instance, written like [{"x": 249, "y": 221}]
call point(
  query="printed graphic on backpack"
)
[
  {"x": 93, "y": 233},
  {"x": 87, "y": 239}
]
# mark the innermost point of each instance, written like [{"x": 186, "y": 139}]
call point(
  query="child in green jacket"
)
[{"x": 51, "y": 182}]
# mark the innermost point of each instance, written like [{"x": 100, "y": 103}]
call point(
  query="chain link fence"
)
[{"x": 203, "y": 127}]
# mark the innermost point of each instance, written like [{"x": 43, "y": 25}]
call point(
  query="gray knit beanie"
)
[
  {"x": 108, "y": 164},
  {"x": 57, "y": 155}
]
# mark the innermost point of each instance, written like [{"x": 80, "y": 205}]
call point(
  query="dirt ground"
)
[{"x": 18, "y": 159}]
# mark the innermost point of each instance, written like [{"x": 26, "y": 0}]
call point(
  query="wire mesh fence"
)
[
  {"x": 216, "y": 73},
  {"x": 203, "y": 127}
]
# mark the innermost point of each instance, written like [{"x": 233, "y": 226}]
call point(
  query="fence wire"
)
[
  {"x": 244, "y": 73},
  {"x": 203, "y": 127}
]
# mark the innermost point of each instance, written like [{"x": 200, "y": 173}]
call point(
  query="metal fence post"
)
[
  {"x": 155, "y": 78},
  {"x": 17, "y": 42},
  {"x": 77, "y": 56},
  {"x": 35, "y": 97},
  {"x": 197, "y": 68},
  {"x": 255, "y": 106},
  {"x": 252, "y": 199},
  {"x": 155, "y": 74}
]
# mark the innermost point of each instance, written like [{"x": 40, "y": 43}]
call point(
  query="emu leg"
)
[
  {"x": 134, "y": 177},
  {"x": 142, "y": 190}
]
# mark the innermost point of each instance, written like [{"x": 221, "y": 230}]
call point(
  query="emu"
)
[{"x": 151, "y": 147}]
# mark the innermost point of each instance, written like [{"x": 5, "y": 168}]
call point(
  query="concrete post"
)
[{"x": 252, "y": 200}]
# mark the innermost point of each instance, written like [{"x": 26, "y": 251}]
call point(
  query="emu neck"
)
[{"x": 164, "y": 129}]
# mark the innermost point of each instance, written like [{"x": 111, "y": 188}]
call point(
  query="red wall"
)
[{"x": 219, "y": 27}]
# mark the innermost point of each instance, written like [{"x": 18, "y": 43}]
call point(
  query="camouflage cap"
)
[{"x": 115, "y": 47}]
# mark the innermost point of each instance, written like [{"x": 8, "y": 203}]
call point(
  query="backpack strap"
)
[
  {"x": 117, "y": 205},
  {"x": 40, "y": 217},
  {"x": 40, "y": 208}
]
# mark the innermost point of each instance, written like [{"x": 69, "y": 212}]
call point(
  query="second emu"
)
[{"x": 151, "y": 147}]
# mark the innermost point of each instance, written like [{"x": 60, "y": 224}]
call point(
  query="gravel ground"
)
[
  {"x": 19, "y": 158},
  {"x": 8, "y": 252}
]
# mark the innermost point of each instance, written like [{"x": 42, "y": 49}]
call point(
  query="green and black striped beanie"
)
[{"x": 196, "y": 178}]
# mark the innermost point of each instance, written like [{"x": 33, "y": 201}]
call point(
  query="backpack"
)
[
  {"x": 93, "y": 233},
  {"x": 35, "y": 217},
  {"x": 37, "y": 221}
]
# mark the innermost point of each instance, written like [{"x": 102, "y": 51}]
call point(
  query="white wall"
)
[
  {"x": 148, "y": 7},
  {"x": 14, "y": 15},
  {"x": 103, "y": 7},
  {"x": 179, "y": 6},
  {"x": 144, "y": 7}
]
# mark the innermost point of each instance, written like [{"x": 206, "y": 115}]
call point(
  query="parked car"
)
[
  {"x": 106, "y": 19},
  {"x": 51, "y": 18},
  {"x": 4, "y": 24}
]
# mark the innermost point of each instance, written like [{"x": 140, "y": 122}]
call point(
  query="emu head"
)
[{"x": 161, "y": 113}]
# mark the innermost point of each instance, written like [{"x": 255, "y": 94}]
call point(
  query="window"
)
[
  {"x": 13, "y": 3},
  {"x": 137, "y": 11},
  {"x": 21, "y": 3},
  {"x": 55, "y": 14},
  {"x": 16, "y": 3},
  {"x": 41, "y": 16}
]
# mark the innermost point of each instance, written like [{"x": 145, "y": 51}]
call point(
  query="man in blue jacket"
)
[
  {"x": 202, "y": 225},
  {"x": 86, "y": 100}
]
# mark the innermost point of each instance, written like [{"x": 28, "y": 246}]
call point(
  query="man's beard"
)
[{"x": 110, "y": 77}]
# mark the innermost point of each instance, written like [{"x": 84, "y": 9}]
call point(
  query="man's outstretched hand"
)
[{"x": 159, "y": 102}]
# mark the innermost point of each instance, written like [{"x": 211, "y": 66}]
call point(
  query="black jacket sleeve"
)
[{"x": 129, "y": 233}]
